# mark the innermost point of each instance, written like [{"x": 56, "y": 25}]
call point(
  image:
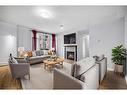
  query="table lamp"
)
[{"x": 21, "y": 51}]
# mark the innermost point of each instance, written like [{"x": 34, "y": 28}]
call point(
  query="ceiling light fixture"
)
[
  {"x": 61, "y": 26},
  {"x": 45, "y": 14}
]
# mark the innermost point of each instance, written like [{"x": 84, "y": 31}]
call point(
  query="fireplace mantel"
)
[{"x": 67, "y": 45}]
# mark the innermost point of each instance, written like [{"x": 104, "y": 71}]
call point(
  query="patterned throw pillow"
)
[
  {"x": 34, "y": 53},
  {"x": 29, "y": 53},
  {"x": 14, "y": 61}
]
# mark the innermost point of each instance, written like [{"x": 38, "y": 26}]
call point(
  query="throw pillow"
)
[
  {"x": 41, "y": 52},
  {"x": 29, "y": 53},
  {"x": 14, "y": 61},
  {"x": 38, "y": 53},
  {"x": 34, "y": 53},
  {"x": 75, "y": 70},
  {"x": 45, "y": 52}
]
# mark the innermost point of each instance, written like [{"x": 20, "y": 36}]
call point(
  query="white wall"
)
[
  {"x": 125, "y": 42},
  {"x": 60, "y": 44},
  {"x": 8, "y": 41},
  {"x": 80, "y": 42},
  {"x": 11, "y": 37},
  {"x": 24, "y": 37},
  {"x": 106, "y": 36}
]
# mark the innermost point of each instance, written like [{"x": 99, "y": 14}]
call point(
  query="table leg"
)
[{"x": 61, "y": 64}]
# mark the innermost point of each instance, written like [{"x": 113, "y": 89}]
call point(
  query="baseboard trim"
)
[
  {"x": 3, "y": 64},
  {"x": 109, "y": 69}
]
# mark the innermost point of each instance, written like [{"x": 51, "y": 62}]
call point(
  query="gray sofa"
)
[
  {"x": 62, "y": 80},
  {"x": 40, "y": 56}
]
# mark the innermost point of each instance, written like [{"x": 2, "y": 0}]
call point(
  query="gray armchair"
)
[{"x": 19, "y": 70}]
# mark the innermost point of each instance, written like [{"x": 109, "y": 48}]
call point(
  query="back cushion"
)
[
  {"x": 38, "y": 52},
  {"x": 45, "y": 52},
  {"x": 41, "y": 52}
]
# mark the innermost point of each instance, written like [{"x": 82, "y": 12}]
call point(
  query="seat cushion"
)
[
  {"x": 35, "y": 57},
  {"x": 85, "y": 64}
]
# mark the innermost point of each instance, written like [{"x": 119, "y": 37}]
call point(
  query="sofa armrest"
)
[{"x": 64, "y": 81}]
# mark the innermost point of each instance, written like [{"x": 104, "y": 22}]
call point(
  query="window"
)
[{"x": 43, "y": 41}]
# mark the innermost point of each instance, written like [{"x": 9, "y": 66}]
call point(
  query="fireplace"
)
[
  {"x": 70, "y": 52},
  {"x": 70, "y": 55}
]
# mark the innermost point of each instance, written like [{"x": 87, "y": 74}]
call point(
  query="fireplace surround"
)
[
  {"x": 70, "y": 55},
  {"x": 70, "y": 52}
]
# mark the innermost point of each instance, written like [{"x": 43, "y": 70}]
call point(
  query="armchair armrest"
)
[
  {"x": 21, "y": 60},
  {"x": 18, "y": 70}
]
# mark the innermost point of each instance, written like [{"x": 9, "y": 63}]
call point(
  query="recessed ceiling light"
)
[{"x": 45, "y": 14}]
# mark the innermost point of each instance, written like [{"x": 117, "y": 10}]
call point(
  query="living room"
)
[{"x": 42, "y": 36}]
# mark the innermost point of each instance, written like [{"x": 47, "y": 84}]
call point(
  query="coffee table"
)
[{"x": 50, "y": 64}]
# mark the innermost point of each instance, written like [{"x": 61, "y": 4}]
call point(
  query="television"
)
[{"x": 70, "y": 38}]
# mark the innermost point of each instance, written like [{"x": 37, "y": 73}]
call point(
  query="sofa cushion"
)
[
  {"x": 45, "y": 52},
  {"x": 39, "y": 57},
  {"x": 41, "y": 52},
  {"x": 38, "y": 52},
  {"x": 35, "y": 57},
  {"x": 79, "y": 68},
  {"x": 85, "y": 64}
]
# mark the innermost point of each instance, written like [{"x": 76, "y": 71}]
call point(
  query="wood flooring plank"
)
[{"x": 6, "y": 81}]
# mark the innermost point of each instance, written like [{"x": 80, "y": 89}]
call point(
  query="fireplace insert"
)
[{"x": 70, "y": 55}]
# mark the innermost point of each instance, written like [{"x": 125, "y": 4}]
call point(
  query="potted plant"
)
[{"x": 118, "y": 58}]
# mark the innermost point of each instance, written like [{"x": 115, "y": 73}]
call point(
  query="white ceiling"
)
[{"x": 71, "y": 17}]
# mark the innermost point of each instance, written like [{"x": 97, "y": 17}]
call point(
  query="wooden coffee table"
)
[{"x": 50, "y": 64}]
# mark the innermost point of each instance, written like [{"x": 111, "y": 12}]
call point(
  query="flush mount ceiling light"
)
[
  {"x": 45, "y": 13},
  {"x": 61, "y": 26}
]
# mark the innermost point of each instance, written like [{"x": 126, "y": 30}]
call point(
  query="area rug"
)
[{"x": 41, "y": 78}]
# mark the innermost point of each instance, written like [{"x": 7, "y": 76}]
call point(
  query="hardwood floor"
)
[
  {"x": 6, "y": 81},
  {"x": 113, "y": 81}
]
